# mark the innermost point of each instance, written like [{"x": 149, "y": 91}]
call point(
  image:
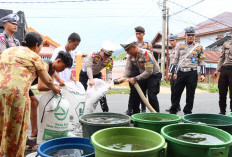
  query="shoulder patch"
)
[
  {"x": 2, "y": 38},
  {"x": 182, "y": 46}
]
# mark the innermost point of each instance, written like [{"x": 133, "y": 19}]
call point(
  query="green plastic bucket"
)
[
  {"x": 154, "y": 121},
  {"x": 216, "y": 120},
  {"x": 128, "y": 142},
  {"x": 180, "y": 148},
  {"x": 89, "y": 127},
  {"x": 230, "y": 114}
]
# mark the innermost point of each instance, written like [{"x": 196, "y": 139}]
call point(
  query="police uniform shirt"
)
[
  {"x": 226, "y": 55},
  {"x": 6, "y": 41},
  {"x": 146, "y": 63},
  {"x": 144, "y": 45},
  {"x": 171, "y": 59},
  {"x": 94, "y": 64},
  {"x": 195, "y": 58}
]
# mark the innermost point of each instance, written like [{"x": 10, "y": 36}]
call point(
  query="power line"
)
[
  {"x": 73, "y": 1},
  {"x": 200, "y": 14},
  {"x": 187, "y": 8},
  {"x": 66, "y": 17}
]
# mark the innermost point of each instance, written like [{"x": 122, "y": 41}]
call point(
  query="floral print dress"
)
[{"x": 18, "y": 66}]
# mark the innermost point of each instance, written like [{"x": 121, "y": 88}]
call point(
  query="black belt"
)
[
  {"x": 188, "y": 69},
  {"x": 227, "y": 67}
]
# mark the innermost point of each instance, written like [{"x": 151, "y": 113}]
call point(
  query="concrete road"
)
[{"x": 204, "y": 103}]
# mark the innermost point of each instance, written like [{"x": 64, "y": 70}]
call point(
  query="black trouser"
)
[
  {"x": 152, "y": 84},
  {"x": 83, "y": 78},
  {"x": 135, "y": 100},
  {"x": 188, "y": 80},
  {"x": 172, "y": 83},
  {"x": 134, "y": 96},
  {"x": 225, "y": 81}
]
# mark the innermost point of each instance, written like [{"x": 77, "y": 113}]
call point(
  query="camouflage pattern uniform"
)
[
  {"x": 225, "y": 78},
  {"x": 92, "y": 69}
]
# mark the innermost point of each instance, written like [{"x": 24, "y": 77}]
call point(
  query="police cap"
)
[
  {"x": 190, "y": 31},
  {"x": 172, "y": 37},
  {"x": 108, "y": 48},
  {"x": 127, "y": 46},
  {"x": 12, "y": 18},
  {"x": 139, "y": 29}
]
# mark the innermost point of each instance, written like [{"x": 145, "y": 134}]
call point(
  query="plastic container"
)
[
  {"x": 145, "y": 143},
  {"x": 216, "y": 120},
  {"x": 88, "y": 127},
  {"x": 154, "y": 121},
  {"x": 230, "y": 114},
  {"x": 81, "y": 143},
  {"x": 180, "y": 148}
]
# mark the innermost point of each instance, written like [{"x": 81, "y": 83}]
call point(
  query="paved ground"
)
[{"x": 204, "y": 103}]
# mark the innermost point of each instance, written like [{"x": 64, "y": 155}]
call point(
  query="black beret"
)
[{"x": 139, "y": 29}]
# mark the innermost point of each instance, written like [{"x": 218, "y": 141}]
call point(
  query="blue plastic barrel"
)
[{"x": 65, "y": 143}]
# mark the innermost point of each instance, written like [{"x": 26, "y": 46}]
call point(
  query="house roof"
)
[
  {"x": 45, "y": 38},
  {"x": 212, "y": 55},
  {"x": 219, "y": 23},
  {"x": 220, "y": 42}
]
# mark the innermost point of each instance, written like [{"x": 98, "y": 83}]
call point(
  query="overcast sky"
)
[{"x": 113, "y": 20}]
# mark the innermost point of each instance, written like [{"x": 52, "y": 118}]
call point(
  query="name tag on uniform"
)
[{"x": 148, "y": 65}]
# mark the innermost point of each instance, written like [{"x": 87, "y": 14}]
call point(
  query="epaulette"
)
[{"x": 182, "y": 45}]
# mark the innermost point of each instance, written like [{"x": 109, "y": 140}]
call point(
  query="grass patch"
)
[
  {"x": 119, "y": 91},
  {"x": 213, "y": 88},
  {"x": 165, "y": 84}
]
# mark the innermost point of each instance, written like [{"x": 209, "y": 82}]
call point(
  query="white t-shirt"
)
[{"x": 66, "y": 74}]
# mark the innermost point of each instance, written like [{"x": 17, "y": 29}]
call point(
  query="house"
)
[
  {"x": 48, "y": 47},
  {"x": 211, "y": 30},
  {"x": 211, "y": 34}
]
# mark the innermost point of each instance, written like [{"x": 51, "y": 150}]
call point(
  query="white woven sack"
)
[
  {"x": 53, "y": 117},
  {"x": 74, "y": 92}
]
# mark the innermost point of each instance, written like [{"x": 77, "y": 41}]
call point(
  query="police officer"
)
[
  {"x": 134, "y": 96},
  {"x": 173, "y": 42},
  {"x": 93, "y": 65},
  {"x": 225, "y": 78},
  {"x": 187, "y": 57},
  {"x": 7, "y": 39},
  {"x": 149, "y": 72}
]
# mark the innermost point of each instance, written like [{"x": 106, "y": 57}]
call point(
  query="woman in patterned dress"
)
[{"x": 19, "y": 66}]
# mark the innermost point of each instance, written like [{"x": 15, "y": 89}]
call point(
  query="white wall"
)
[{"x": 206, "y": 40}]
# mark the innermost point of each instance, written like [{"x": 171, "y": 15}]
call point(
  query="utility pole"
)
[
  {"x": 163, "y": 40},
  {"x": 167, "y": 55}
]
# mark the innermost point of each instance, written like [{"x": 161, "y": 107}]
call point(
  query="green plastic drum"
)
[
  {"x": 128, "y": 142},
  {"x": 89, "y": 127},
  {"x": 154, "y": 121},
  {"x": 216, "y": 120},
  {"x": 181, "y": 148},
  {"x": 230, "y": 114}
]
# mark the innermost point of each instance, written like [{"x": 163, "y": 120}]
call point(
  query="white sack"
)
[
  {"x": 94, "y": 93},
  {"x": 53, "y": 117},
  {"x": 74, "y": 92}
]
